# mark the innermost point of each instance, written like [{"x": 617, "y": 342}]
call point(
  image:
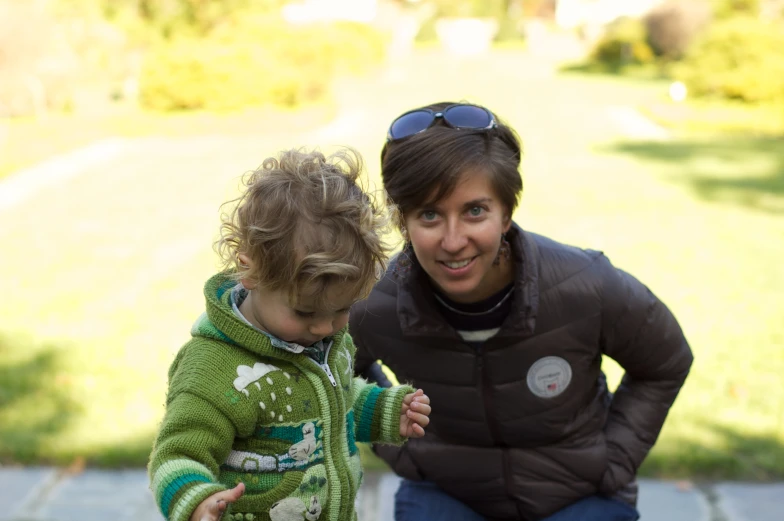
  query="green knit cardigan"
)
[{"x": 239, "y": 409}]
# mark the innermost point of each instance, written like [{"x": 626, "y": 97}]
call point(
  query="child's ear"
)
[{"x": 246, "y": 263}]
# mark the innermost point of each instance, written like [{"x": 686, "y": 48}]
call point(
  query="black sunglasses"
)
[{"x": 460, "y": 116}]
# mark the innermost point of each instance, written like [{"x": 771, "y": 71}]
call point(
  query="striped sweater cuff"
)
[
  {"x": 377, "y": 413},
  {"x": 180, "y": 485}
]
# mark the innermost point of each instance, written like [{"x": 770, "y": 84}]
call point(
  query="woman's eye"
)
[
  {"x": 428, "y": 215},
  {"x": 476, "y": 211},
  {"x": 304, "y": 314}
]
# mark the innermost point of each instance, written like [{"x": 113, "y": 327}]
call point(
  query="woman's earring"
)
[{"x": 504, "y": 251}]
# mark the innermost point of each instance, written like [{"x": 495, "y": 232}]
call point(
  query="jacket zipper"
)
[{"x": 492, "y": 422}]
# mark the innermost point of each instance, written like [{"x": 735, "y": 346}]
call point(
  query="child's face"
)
[{"x": 303, "y": 324}]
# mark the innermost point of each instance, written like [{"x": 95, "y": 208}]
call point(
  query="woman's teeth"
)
[{"x": 458, "y": 264}]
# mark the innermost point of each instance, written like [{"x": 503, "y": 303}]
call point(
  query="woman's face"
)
[{"x": 457, "y": 239}]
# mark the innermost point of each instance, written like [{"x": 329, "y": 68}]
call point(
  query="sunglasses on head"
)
[{"x": 459, "y": 116}]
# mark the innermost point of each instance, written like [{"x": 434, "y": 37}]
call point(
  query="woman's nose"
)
[{"x": 454, "y": 239}]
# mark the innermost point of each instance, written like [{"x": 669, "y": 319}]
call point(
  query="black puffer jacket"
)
[{"x": 526, "y": 426}]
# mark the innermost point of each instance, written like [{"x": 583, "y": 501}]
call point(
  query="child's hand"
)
[
  {"x": 414, "y": 415},
  {"x": 212, "y": 508}
]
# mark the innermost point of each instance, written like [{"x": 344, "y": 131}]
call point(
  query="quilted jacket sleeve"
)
[{"x": 642, "y": 335}]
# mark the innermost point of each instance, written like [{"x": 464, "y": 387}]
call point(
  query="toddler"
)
[{"x": 263, "y": 412}]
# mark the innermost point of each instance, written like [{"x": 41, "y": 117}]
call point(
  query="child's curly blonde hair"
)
[{"x": 306, "y": 223}]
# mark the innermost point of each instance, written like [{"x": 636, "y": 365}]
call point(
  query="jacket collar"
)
[{"x": 417, "y": 309}]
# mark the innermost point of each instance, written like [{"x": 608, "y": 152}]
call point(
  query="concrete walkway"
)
[{"x": 46, "y": 494}]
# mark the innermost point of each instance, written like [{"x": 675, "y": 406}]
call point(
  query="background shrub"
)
[
  {"x": 623, "y": 43},
  {"x": 672, "y": 26},
  {"x": 739, "y": 58},
  {"x": 256, "y": 63}
]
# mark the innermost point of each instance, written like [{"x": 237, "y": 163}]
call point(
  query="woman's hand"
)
[
  {"x": 212, "y": 508},
  {"x": 414, "y": 414}
]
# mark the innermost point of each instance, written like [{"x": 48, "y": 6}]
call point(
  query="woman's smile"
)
[{"x": 458, "y": 268}]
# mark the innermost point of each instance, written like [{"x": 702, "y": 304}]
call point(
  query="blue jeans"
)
[{"x": 424, "y": 501}]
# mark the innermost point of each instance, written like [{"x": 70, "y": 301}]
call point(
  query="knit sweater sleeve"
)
[
  {"x": 195, "y": 436},
  {"x": 377, "y": 412}
]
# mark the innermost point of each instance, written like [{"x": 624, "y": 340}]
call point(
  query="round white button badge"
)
[{"x": 549, "y": 376}]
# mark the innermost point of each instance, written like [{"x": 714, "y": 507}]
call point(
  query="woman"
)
[{"x": 505, "y": 330}]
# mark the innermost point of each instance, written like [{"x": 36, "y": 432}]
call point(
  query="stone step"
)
[{"x": 45, "y": 494}]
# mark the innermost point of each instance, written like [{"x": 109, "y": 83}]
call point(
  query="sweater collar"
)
[
  {"x": 418, "y": 312},
  {"x": 223, "y": 323}
]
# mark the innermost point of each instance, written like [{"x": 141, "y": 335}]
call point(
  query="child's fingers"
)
[
  {"x": 422, "y": 398},
  {"x": 420, "y": 407},
  {"x": 415, "y": 396},
  {"x": 418, "y": 418},
  {"x": 217, "y": 504},
  {"x": 215, "y": 510},
  {"x": 231, "y": 495},
  {"x": 411, "y": 396},
  {"x": 416, "y": 431},
  {"x": 235, "y": 493}
]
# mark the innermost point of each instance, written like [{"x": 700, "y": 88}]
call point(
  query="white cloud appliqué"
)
[{"x": 248, "y": 375}]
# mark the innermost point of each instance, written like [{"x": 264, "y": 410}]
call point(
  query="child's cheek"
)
[{"x": 341, "y": 322}]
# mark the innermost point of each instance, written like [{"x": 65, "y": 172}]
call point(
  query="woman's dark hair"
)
[{"x": 426, "y": 167}]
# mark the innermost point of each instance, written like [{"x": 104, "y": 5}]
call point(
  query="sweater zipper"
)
[
  {"x": 325, "y": 367},
  {"x": 334, "y": 431}
]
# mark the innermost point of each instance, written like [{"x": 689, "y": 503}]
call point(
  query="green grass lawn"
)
[{"x": 103, "y": 274}]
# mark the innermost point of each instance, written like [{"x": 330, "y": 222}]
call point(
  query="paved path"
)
[{"x": 45, "y": 494}]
